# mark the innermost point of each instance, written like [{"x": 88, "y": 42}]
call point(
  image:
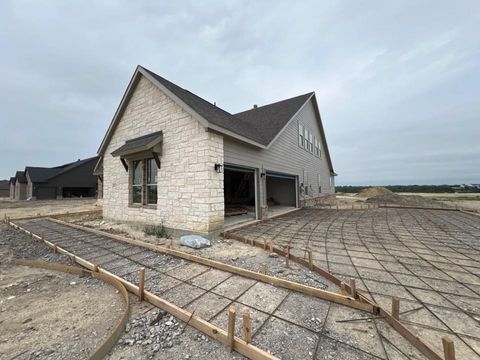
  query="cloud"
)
[{"x": 397, "y": 83}]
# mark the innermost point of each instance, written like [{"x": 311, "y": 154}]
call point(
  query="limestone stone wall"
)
[{"x": 190, "y": 192}]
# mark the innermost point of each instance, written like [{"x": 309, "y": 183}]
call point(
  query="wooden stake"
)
[
  {"x": 396, "y": 308},
  {"x": 141, "y": 283},
  {"x": 231, "y": 328},
  {"x": 264, "y": 244},
  {"x": 343, "y": 288},
  {"x": 353, "y": 288},
  {"x": 310, "y": 259},
  {"x": 247, "y": 336},
  {"x": 448, "y": 348},
  {"x": 95, "y": 268},
  {"x": 263, "y": 268},
  {"x": 287, "y": 261},
  {"x": 55, "y": 249}
]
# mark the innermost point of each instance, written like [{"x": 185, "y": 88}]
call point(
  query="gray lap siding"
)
[{"x": 285, "y": 155}]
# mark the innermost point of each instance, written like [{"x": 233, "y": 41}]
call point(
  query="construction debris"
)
[{"x": 194, "y": 241}]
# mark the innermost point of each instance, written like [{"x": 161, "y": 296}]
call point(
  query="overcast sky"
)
[{"x": 397, "y": 82}]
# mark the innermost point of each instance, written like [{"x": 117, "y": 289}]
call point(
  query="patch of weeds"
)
[{"x": 158, "y": 231}]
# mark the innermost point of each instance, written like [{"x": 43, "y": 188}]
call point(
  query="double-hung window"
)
[
  {"x": 151, "y": 183},
  {"x": 144, "y": 182},
  {"x": 301, "y": 138},
  {"x": 137, "y": 182}
]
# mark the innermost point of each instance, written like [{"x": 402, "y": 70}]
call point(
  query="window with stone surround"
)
[{"x": 144, "y": 182}]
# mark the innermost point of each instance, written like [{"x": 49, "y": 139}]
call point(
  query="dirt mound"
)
[
  {"x": 373, "y": 191},
  {"x": 405, "y": 200}
]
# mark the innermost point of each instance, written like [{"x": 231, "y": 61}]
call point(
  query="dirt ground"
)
[
  {"x": 47, "y": 314},
  {"x": 26, "y": 208},
  {"x": 464, "y": 201}
]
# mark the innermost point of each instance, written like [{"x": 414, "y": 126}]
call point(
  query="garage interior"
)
[
  {"x": 281, "y": 192},
  {"x": 239, "y": 194}
]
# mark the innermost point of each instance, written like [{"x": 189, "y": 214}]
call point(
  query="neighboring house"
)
[
  {"x": 74, "y": 179},
  {"x": 20, "y": 187},
  {"x": 171, "y": 157},
  {"x": 4, "y": 188},
  {"x": 12, "y": 188}
]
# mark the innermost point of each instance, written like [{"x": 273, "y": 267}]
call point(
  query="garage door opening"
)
[
  {"x": 239, "y": 193},
  {"x": 78, "y": 192},
  {"x": 281, "y": 193}
]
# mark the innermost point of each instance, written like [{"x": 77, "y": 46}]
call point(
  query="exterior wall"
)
[
  {"x": 12, "y": 191},
  {"x": 286, "y": 156},
  {"x": 20, "y": 191},
  {"x": 99, "y": 188},
  {"x": 190, "y": 192},
  {"x": 29, "y": 187}
]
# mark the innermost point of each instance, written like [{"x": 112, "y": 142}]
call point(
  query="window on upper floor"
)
[{"x": 301, "y": 138}]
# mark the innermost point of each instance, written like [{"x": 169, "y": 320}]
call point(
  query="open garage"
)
[
  {"x": 239, "y": 193},
  {"x": 281, "y": 192}
]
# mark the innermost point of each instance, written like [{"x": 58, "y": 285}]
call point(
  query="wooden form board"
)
[
  {"x": 101, "y": 351},
  {"x": 309, "y": 290},
  {"x": 239, "y": 345},
  {"x": 86, "y": 212}
]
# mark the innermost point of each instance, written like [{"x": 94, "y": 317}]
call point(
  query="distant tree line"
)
[{"x": 414, "y": 188}]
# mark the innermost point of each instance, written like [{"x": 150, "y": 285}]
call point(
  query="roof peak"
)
[{"x": 256, "y": 107}]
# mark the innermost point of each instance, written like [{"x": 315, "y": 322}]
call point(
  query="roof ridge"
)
[{"x": 276, "y": 102}]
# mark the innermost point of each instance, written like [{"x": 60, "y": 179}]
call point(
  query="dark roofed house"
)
[
  {"x": 12, "y": 187},
  {"x": 171, "y": 157},
  {"x": 75, "y": 179},
  {"x": 20, "y": 187},
  {"x": 4, "y": 188}
]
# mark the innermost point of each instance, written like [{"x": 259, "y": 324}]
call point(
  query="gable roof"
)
[
  {"x": 210, "y": 112},
  {"x": 20, "y": 177},
  {"x": 270, "y": 119},
  {"x": 44, "y": 174},
  {"x": 259, "y": 126},
  {"x": 40, "y": 174}
]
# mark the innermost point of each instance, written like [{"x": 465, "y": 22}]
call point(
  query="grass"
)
[
  {"x": 457, "y": 198},
  {"x": 158, "y": 231}
]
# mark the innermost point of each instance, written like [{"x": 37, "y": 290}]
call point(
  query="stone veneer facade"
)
[{"x": 190, "y": 191}]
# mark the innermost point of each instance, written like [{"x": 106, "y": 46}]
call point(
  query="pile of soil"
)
[{"x": 373, "y": 191}]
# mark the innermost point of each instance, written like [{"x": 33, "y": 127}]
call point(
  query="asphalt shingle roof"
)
[
  {"x": 20, "y": 177},
  {"x": 138, "y": 143},
  {"x": 260, "y": 124},
  {"x": 43, "y": 174},
  {"x": 272, "y": 118},
  {"x": 212, "y": 113}
]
